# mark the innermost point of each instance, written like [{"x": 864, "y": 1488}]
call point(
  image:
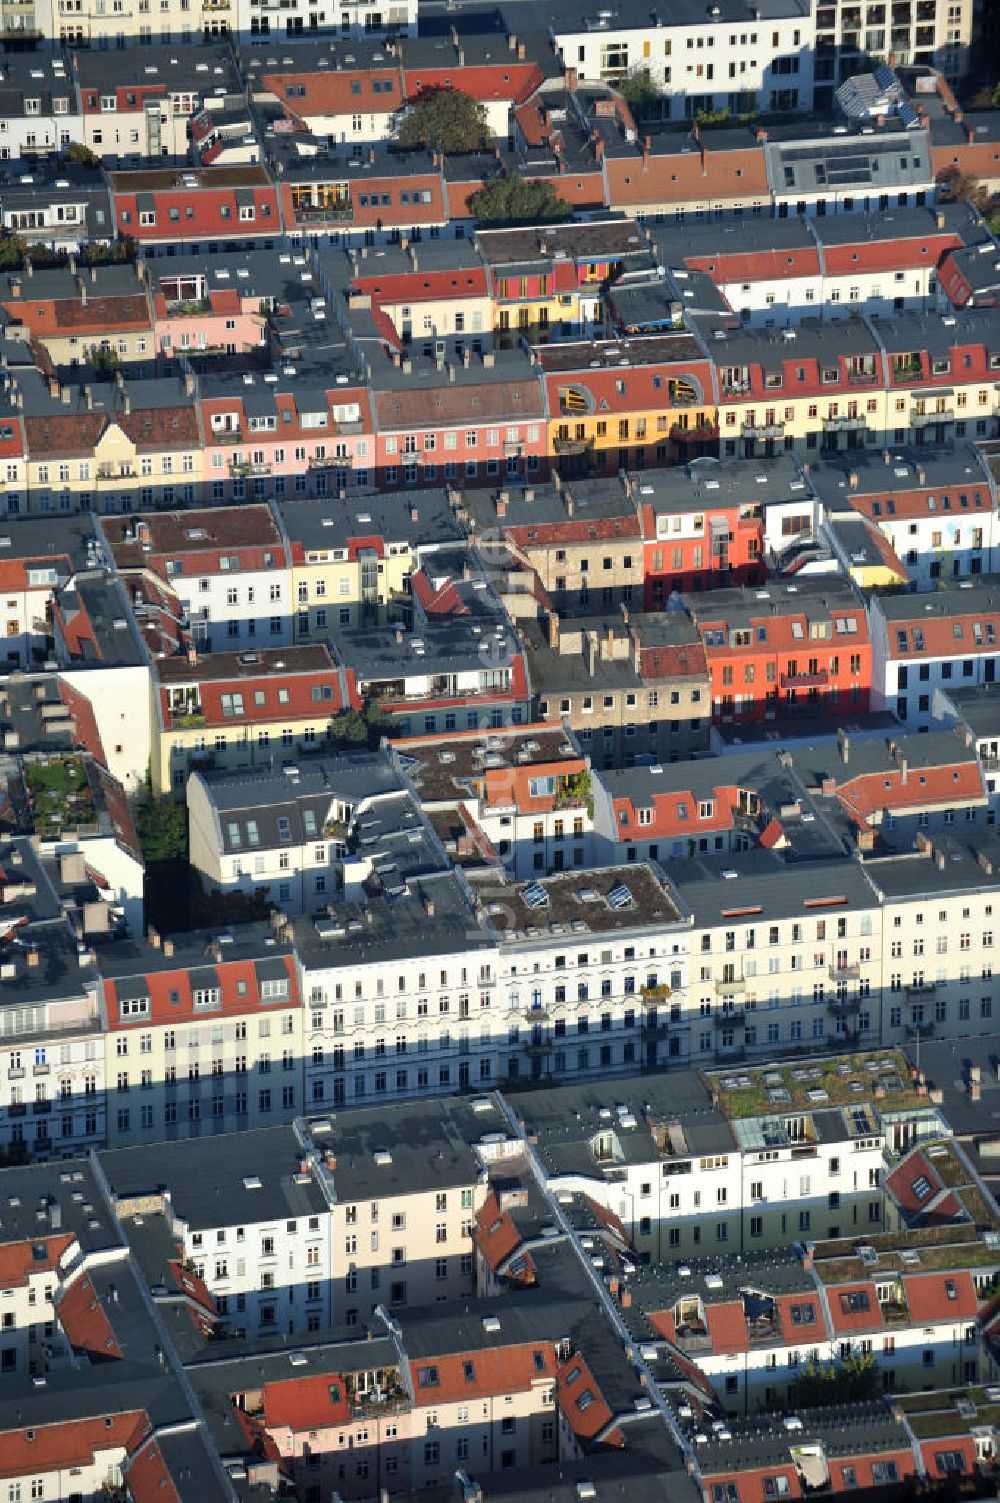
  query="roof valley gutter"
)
[
  {"x": 607, "y": 1303},
  {"x": 171, "y": 1358}
]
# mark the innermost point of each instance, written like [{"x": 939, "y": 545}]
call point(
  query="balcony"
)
[
  {"x": 929, "y": 419},
  {"x": 245, "y": 467},
  {"x": 862, "y": 377},
  {"x": 537, "y": 1045},
  {"x": 734, "y": 988},
  {"x": 228, "y": 435},
  {"x": 17, "y": 1109},
  {"x": 16, "y": 1072},
  {"x": 701, "y": 433},
  {"x": 41, "y": 1108},
  {"x": 747, "y": 822},
  {"x": 919, "y": 1030},
  {"x": 693, "y": 1339},
  {"x": 843, "y": 1007},
  {"x": 730, "y": 1018},
  {"x": 842, "y": 424},
  {"x": 188, "y": 307},
  {"x": 325, "y": 213},
  {"x": 762, "y": 430},
  {"x": 921, "y": 989},
  {"x": 40, "y": 1069},
  {"x": 845, "y": 972},
  {"x": 536, "y": 1014},
  {"x": 572, "y": 445},
  {"x": 817, "y": 680}
]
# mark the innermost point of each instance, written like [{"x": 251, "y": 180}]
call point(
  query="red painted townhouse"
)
[
  {"x": 703, "y": 525},
  {"x": 786, "y": 648},
  {"x": 199, "y": 206}
]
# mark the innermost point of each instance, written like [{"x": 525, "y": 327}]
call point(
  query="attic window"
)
[
  {"x": 469, "y": 1372},
  {"x": 803, "y": 1315},
  {"x": 334, "y": 1393},
  {"x": 922, "y": 1187},
  {"x": 854, "y": 1303},
  {"x": 585, "y": 1400},
  {"x": 427, "y": 1377}
]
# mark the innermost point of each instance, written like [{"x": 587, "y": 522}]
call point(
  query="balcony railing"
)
[
  {"x": 805, "y": 680},
  {"x": 928, "y": 419},
  {"x": 731, "y": 1018},
  {"x": 571, "y": 445},
  {"x": 843, "y": 1007},
  {"x": 324, "y": 213},
  {"x": 734, "y": 988},
  {"x": 842, "y": 424},
  {"x": 762, "y": 430},
  {"x": 845, "y": 972}
]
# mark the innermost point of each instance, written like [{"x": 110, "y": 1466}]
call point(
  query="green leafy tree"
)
[
  {"x": 362, "y": 728},
  {"x": 853, "y": 1380},
  {"x": 13, "y": 249},
  {"x": 445, "y": 120},
  {"x": 640, "y": 93},
  {"x": 82, "y": 155},
  {"x": 513, "y": 200},
  {"x": 161, "y": 825},
  {"x": 103, "y": 361},
  {"x": 956, "y": 187}
]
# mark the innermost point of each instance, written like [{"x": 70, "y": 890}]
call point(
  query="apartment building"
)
[
  {"x": 237, "y": 709},
  {"x": 52, "y": 1097},
  {"x": 356, "y": 564},
  {"x": 148, "y": 117},
  {"x": 924, "y": 642},
  {"x": 408, "y": 1181},
  {"x": 776, "y": 272},
  {"x": 399, "y": 1006},
  {"x": 257, "y": 19},
  {"x": 462, "y": 669},
  {"x": 937, "y": 935},
  {"x": 307, "y": 835},
  {"x": 747, "y": 62},
  {"x": 765, "y": 648},
  {"x": 520, "y": 795},
  {"x": 201, "y": 1035},
  {"x": 580, "y": 538},
  {"x": 797, "y": 962},
  {"x": 227, "y": 567},
  {"x": 242, "y": 1214},
  {"x": 704, "y": 525},
  {"x": 936, "y": 507},
  {"x": 689, "y": 1169},
  {"x": 603, "y": 418},
  {"x": 627, "y": 689}
]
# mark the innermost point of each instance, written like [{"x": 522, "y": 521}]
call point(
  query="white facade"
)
[
  {"x": 740, "y": 64},
  {"x": 120, "y": 700},
  {"x": 259, "y": 19}
]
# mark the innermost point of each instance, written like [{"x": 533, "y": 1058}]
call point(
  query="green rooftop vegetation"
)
[
  {"x": 931, "y": 1415},
  {"x": 882, "y": 1076},
  {"x": 60, "y": 794}
]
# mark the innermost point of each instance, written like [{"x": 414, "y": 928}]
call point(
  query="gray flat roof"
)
[{"x": 207, "y": 1177}]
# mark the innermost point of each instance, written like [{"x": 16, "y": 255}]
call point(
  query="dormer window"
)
[
  {"x": 940, "y": 365},
  {"x": 32, "y": 106}
]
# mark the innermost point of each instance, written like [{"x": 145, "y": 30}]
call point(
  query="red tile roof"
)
[
  {"x": 583, "y": 1405},
  {"x": 17, "y": 1260},
  {"x": 87, "y": 1327},
  {"x": 482, "y": 1373},
  {"x": 935, "y": 1297},
  {"x": 307, "y": 1403},
  {"x": 72, "y": 1443}
]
